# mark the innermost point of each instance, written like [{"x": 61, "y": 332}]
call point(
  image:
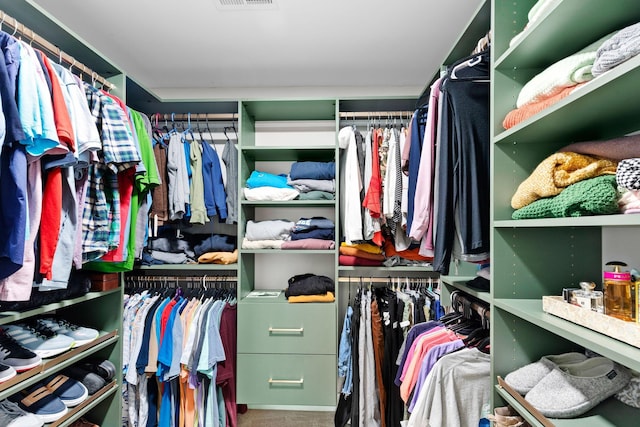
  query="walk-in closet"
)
[{"x": 241, "y": 213}]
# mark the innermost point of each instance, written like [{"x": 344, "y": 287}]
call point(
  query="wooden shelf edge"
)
[{"x": 89, "y": 403}]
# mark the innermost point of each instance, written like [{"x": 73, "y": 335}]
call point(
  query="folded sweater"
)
[
  {"x": 623, "y": 45},
  {"x": 564, "y": 73},
  {"x": 555, "y": 173},
  {"x": 595, "y": 196}
]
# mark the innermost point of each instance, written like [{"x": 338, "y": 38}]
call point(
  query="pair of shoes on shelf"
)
[
  {"x": 48, "y": 337},
  {"x": 15, "y": 356},
  {"x": 505, "y": 416},
  {"x": 80, "y": 334},
  {"x": 38, "y": 339},
  {"x": 568, "y": 385},
  {"x": 11, "y": 415},
  {"x": 93, "y": 373},
  {"x": 83, "y": 422},
  {"x": 50, "y": 399}
]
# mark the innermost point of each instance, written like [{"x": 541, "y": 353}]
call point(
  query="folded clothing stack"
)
[
  {"x": 217, "y": 249},
  {"x": 309, "y": 230},
  {"x": 261, "y": 186},
  {"x": 188, "y": 248},
  {"x": 313, "y": 180},
  {"x": 268, "y": 234},
  {"x": 568, "y": 385},
  {"x": 310, "y": 288},
  {"x": 360, "y": 254}
]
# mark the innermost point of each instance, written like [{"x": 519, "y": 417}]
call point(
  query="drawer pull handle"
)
[
  {"x": 272, "y": 381},
  {"x": 286, "y": 330}
]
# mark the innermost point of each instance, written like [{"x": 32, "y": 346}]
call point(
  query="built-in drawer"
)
[
  {"x": 278, "y": 379},
  {"x": 306, "y": 328}
]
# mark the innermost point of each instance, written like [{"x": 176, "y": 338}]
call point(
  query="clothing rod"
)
[
  {"x": 183, "y": 117},
  {"x": 19, "y": 29},
  {"x": 161, "y": 278},
  {"x": 365, "y": 280},
  {"x": 460, "y": 297},
  {"x": 375, "y": 114}
]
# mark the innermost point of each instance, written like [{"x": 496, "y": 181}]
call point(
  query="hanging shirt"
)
[
  {"x": 178, "y": 179},
  {"x": 85, "y": 132},
  {"x": 215, "y": 197},
  {"x": 422, "y": 226},
  {"x": 230, "y": 159},
  {"x": 198, "y": 210},
  {"x": 352, "y": 216},
  {"x": 34, "y": 104}
]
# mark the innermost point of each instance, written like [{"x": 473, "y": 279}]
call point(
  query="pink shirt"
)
[{"x": 422, "y": 225}]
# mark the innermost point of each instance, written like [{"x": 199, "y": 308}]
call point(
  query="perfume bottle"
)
[
  {"x": 619, "y": 293},
  {"x": 587, "y": 297}
]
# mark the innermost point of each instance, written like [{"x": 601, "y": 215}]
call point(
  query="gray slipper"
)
[
  {"x": 524, "y": 379},
  {"x": 574, "y": 389}
]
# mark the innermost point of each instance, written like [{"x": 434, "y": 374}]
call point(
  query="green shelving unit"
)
[{"x": 538, "y": 257}]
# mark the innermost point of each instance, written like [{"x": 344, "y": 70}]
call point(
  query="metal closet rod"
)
[
  {"x": 375, "y": 114},
  {"x": 53, "y": 50},
  {"x": 356, "y": 280},
  {"x": 183, "y": 117}
]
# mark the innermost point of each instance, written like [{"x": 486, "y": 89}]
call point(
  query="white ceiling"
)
[{"x": 196, "y": 50}]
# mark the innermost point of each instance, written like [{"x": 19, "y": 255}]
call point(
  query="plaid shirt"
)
[
  {"x": 118, "y": 146},
  {"x": 101, "y": 222}
]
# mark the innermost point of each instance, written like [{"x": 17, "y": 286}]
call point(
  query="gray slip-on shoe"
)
[
  {"x": 524, "y": 379},
  {"x": 570, "y": 391}
]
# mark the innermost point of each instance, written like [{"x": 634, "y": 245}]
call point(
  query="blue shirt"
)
[{"x": 215, "y": 196}]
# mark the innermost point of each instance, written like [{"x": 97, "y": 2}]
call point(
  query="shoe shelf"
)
[
  {"x": 531, "y": 311},
  {"x": 15, "y": 316},
  {"x": 91, "y": 402},
  {"x": 609, "y": 413},
  {"x": 50, "y": 366}
]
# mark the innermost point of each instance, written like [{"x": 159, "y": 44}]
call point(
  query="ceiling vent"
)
[{"x": 246, "y": 4}]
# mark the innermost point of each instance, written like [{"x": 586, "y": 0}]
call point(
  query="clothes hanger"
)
[{"x": 468, "y": 62}]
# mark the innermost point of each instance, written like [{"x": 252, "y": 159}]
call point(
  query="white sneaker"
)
[
  {"x": 80, "y": 334},
  {"x": 42, "y": 341}
]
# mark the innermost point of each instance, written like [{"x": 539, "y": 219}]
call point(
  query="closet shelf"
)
[
  {"x": 53, "y": 365},
  {"x": 289, "y": 203},
  {"x": 91, "y": 402},
  {"x": 531, "y": 311},
  {"x": 460, "y": 282},
  {"x": 14, "y": 316},
  {"x": 618, "y": 220},
  {"x": 189, "y": 267},
  {"x": 289, "y": 251},
  {"x": 609, "y": 413},
  {"x": 580, "y": 116},
  {"x": 550, "y": 38},
  {"x": 291, "y": 110},
  {"x": 288, "y": 153},
  {"x": 398, "y": 269}
]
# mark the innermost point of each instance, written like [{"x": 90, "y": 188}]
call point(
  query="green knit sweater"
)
[{"x": 594, "y": 196}]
